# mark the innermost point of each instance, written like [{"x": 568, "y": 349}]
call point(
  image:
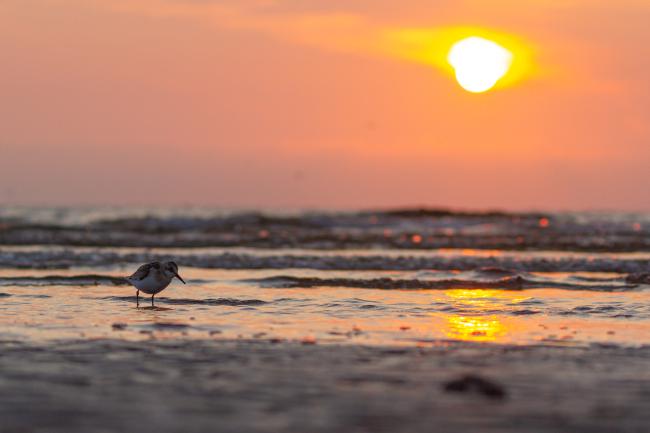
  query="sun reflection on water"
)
[
  {"x": 475, "y": 328},
  {"x": 483, "y": 298}
]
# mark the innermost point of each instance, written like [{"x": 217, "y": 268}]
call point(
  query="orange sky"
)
[{"x": 321, "y": 103}]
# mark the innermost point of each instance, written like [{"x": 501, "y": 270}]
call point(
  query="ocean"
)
[{"x": 406, "y": 277}]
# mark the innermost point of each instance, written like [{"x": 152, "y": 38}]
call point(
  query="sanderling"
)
[{"x": 153, "y": 278}]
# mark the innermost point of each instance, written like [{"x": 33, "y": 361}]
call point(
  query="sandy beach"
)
[{"x": 110, "y": 385}]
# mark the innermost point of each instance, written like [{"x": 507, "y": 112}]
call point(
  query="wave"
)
[
  {"x": 638, "y": 278},
  {"x": 395, "y": 229},
  {"x": 506, "y": 283},
  {"x": 60, "y": 280},
  {"x": 482, "y": 278},
  {"x": 638, "y": 269}
]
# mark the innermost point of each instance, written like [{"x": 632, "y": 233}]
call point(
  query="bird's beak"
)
[{"x": 179, "y": 277}]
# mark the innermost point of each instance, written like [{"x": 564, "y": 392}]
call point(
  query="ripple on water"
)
[{"x": 184, "y": 301}]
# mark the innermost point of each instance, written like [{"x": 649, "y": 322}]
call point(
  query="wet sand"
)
[{"x": 110, "y": 385}]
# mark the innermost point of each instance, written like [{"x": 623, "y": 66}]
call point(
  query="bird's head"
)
[{"x": 171, "y": 270}]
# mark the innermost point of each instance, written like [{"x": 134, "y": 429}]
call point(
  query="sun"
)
[{"x": 479, "y": 63}]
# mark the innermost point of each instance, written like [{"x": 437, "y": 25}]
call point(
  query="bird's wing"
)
[{"x": 144, "y": 270}]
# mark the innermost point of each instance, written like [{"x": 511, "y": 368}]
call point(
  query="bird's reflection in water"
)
[{"x": 154, "y": 308}]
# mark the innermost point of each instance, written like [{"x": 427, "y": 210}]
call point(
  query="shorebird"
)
[{"x": 153, "y": 278}]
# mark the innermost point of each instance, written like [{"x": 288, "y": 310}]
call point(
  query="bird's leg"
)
[
  {"x": 137, "y": 298},
  {"x": 152, "y": 300}
]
